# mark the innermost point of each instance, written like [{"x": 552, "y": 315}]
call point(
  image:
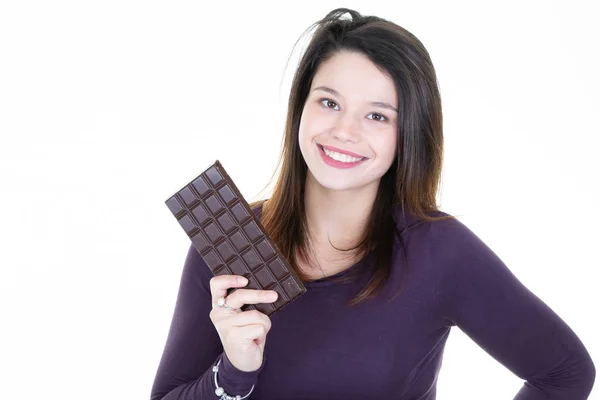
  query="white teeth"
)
[{"x": 341, "y": 157}]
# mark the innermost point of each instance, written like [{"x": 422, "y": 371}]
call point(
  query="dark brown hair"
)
[{"x": 412, "y": 180}]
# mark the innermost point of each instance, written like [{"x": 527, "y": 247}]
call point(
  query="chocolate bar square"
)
[{"x": 231, "y": 239}]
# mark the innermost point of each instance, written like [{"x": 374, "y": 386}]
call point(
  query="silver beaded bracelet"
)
[{"x": 221, "y": 392}]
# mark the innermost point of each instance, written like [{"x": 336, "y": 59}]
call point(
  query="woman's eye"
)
[
  {"x": 379, "y": 117},
  {"x": 328, "y": 102}
]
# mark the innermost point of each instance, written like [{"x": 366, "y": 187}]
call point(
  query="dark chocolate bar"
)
[{"x": 231, "y": 239}]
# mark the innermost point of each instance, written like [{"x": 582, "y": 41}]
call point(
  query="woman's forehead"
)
[{"x": 351, "y": 74}]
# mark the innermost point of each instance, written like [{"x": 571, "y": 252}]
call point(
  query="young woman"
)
[{"x": 387, "y": 273}]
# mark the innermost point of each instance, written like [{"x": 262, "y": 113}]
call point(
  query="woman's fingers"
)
[
  {"x": 250, "y": 296},
  {"x": 250, "y": 332},
  {"x": 243, "y": 334},
  {"x": 220, "y": 284},
  {"x": 251, "y": 317}
]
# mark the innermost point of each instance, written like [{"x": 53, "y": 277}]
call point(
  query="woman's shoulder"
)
[
  {"x": 453, "y": 240},
  {"x": 195, "y": 270},
  {"x": 405, "y": 219}
]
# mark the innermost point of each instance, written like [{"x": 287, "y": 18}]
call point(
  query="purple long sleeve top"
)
[{"x": 390, "y": 347}]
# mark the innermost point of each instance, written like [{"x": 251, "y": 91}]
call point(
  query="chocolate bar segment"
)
[{"x": 231, "y": 239}]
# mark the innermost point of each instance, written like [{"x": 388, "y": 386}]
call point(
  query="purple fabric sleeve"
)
[
  {"x": 193, "y": 346},
  {"x": 491, "y": 306}
]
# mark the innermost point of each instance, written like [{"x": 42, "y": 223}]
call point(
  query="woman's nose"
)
[{"x": 346, "y": 129}]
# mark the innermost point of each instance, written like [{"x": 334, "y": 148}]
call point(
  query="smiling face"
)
[{"x": 348, "y": 127}]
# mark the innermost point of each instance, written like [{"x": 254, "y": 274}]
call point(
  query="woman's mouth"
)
[{"x": 339, "y": 160}]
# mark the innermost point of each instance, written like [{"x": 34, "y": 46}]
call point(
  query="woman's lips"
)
[
  {"x": 338, "y": 164},
  {"x": 335, "y": 149}
]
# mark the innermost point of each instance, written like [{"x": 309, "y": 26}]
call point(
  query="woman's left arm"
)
[{"x": 489, "y": 304}]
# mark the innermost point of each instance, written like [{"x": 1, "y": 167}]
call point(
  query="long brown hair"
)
[{"x": 412, "y": 180}]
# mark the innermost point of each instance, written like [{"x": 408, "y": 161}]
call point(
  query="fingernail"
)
[{"x": 243, "y": 280}]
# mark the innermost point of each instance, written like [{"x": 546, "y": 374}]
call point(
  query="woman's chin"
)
[{"x": 329, "y": 183}]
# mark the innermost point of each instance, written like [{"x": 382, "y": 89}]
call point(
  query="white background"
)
[{"x": 108, "y": 108}]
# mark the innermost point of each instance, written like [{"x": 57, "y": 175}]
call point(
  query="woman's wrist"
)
[{"x": 234, "y": 380}]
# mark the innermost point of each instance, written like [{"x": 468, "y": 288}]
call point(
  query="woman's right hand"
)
[{"x": 242, "y": 333}]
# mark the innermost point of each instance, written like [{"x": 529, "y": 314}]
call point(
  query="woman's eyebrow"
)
[{"x": 375, "y": 103}]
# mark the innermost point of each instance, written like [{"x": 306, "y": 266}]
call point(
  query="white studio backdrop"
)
[{"x": 108, "y": 108}]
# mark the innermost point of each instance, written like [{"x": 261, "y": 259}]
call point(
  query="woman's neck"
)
[{"x": 335, "y": 215}]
